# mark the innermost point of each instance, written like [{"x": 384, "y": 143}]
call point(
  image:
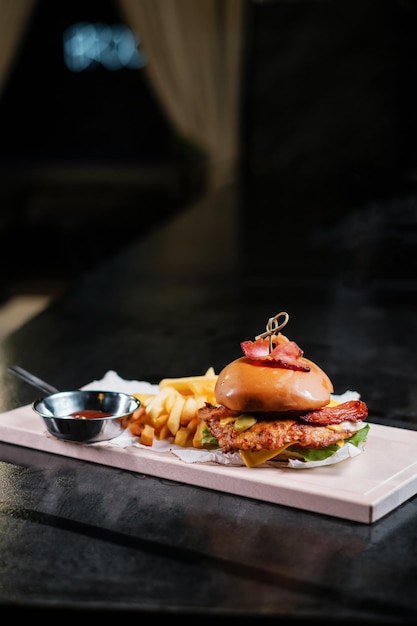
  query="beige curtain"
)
[
  {"x": 195, "y": 52},
  {"x": 195, "y": 57},
  {"x": 14, "y": 15}
]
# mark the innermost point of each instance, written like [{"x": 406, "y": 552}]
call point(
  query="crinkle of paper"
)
[{"x": 113, "y": 382}]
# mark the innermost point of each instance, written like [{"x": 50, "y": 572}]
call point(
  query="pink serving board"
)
[{"x": 362, "y": 489}]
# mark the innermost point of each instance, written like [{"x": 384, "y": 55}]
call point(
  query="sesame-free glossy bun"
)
[{"x": 247, "y": 386}]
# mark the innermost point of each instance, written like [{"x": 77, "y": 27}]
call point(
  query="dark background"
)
[
  {"x": 88, "y": 161},
  {"x": 329, "y": 113}
]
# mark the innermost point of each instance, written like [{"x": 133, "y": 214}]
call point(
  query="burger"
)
[{"x": 273, "y": 404}]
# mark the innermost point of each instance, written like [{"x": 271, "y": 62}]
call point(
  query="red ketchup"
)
[{"x": 90, "y": 414}]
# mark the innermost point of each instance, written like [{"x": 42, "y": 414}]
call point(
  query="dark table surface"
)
[{"x": 78, "y": 536}]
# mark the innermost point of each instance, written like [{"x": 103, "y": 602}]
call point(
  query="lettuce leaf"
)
[{"x": 319, "y": 454}]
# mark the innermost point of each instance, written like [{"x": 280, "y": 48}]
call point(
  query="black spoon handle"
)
[{"x": 31, "y": 379}]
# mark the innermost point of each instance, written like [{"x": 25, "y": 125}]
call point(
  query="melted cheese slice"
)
[{"x": 251, "y": 459}]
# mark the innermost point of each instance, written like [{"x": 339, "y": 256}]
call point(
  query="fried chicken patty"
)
[{"x": 273, "y": 435}]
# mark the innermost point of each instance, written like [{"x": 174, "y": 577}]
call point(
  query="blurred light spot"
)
[{"x": 88, "y": 45}]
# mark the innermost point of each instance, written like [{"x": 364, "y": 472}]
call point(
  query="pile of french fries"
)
[{"x": 172, "y": 412}]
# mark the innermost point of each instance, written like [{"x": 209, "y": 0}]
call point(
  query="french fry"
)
[
  {"x": 156, "y": 405},
  {"x": 143, "y": 397},
  {"x": 198, "y": 435},
  {"x": 160, "y": 421},
  {"x": 189, "y": 411},
  {"x": 164, "y": 433},
  {"x": 174, "y": 417},
  {"x": 136, "y": 428},
  {"x": 193, "y": 423},
  {"x": 182, "y": 436},
  {"x": 187, "y": 385},
  {"x": 173, "y": 411},
  {"x": 171, "y": 395},
  {"x": 147, "y": 435}
]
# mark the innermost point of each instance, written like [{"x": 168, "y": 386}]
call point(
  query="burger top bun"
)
[{"x": 247, "y": 386}]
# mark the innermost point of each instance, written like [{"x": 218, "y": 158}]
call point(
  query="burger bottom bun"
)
[{"x": 246, "y": 386}]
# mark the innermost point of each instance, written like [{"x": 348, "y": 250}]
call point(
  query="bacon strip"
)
[
  {"x": 350, "y": 411},
  {"x": 284, "y": 354}
]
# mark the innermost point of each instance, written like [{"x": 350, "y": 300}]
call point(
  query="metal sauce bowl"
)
[{"x": 57, "y": 409}]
